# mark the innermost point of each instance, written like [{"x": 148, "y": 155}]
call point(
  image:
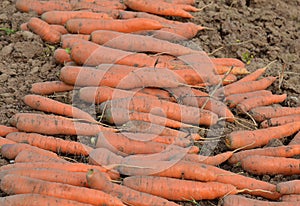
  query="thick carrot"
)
[
  {"x": 4, "y": 130},
  {"x": 227, "y": 62},
  {"x": 50, "y": 87},
  {"x": 61, "y": 56},
  {"x": 4, "y": 141},
  {"x": 97, "y": 180},
  {"x": 44, "y": 30},
  {"x": 256, "y": 101},
  {"x": 263, "y": 113},
  {"x": 295, "y": 140},
  {"x": 161, "y": 8},
  {"x": 51, "y": 175},
  {"x": 180, "y": 190},
  {"x": 51, "y": 143},
  {"x": 281, "y": 151},
  {"x": 260, "y": 137},
  {"x": 61, "y": 29},
  {"x": 238, "y": 200},
  {"x": 290, "y": 198},
  {"x": 61, "y": 17},
  {"x": 68, "y": 40},
  {"x": 52, "y": 106},
  {"x": 33, "y": 156},
  {"x": 37, "y": 200},
  {"x": 87, "y": 26},
  {"x": 42, "y": 6},
  {"x": 276, "y": 121},
  {"x": 235, "y": 99},
  {"x": 289, "y": 187},
  {"x": 51, "y": 124},
  {"x": 259, "y": 164},
  {"x": 30, "y": 185}
]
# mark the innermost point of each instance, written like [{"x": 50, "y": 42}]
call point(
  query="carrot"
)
[
  {"x": 87, "y": 26},
  {"x": 61, "y": 29},
  {"x": 289, "y": 187},
  {"x": 30, "y": 185},
  {"x": 220, "y": 69},
  {"x": 257, "y": 101},
  {"x": 61, "y": 17},
  {"x": 51, "y": 124},
  {"x": 263, "y": 113},
  {"x": 42, "y": 6},
  {"x": 5, "y": 130},
  {"x": 190, "y": 2},
  {"x": 61, "y": 56},
  {"x": 97, "y": 180},
  {"x": 37, "y": 200},
  {"x": 169, "y": 188},
  {"x": 68, "y": 40},
  {"x": 227, "y": 62},
  {"x": 51, "y": 175},
  {"x": 4, "y": 141},
  {"x": 44, "y": 30},
  {"x": 295, "y": 140},
  {"x": 23, "y": 27},
  {"x": 259, "y": 164},
  {"x": 186, "y": 114},
  {"x": 51, "y": 143},
  {"x": 235, "y": 99},
  {"x": 50, "y": 87},
  {"x": 254, "y": 75},
  {"x": 52, "y": 106},
  {"x": 280, "y": 151},
  {"x": 67, "y": 166},
  {"x": 276, "y": 121},
  {"x": 260, "y": 137},
  {"x": 111, "y": 10},
  {"x": 290, "y": 198},
  {"x": 114, "y": 4},
  {"x": 157, "y": 92},
  {"x": 161, "y": 8},
  {"x": 33, "y": 156},
  {"x": 237, "y": 200}
]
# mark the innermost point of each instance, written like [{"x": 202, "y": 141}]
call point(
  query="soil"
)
[{"x": 254, "y": 31}]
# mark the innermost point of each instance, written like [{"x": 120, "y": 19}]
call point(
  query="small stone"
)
[
  {"x": 4, "y": 77},
  {"x": 3, "y": 17},
  {"x": 34, "y": 70},
  {"x": 27, "y": 35},
  {"x": 6, "y": 50}
]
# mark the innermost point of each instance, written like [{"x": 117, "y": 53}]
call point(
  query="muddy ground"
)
[{"x": 255, "y": 31}]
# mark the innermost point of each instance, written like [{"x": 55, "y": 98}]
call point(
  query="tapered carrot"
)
[
  {"x": 276, "y": 121},
  {"x": 97, "y": 180},
  {"x": 44, "y": 30},
  {"x": 280, "y": 151},
  {"x": 61, "y": 17},
  {"x": 259, "y": 164},
  {"x": 87, "y": 26},
  {"x": 227, "y": 62},
  {"x": 235, "y": 99},
  {"x": 51, "y": 143},
  {"x": 260, "y": 137},
  {"x": 289, "y": 187},
  {"x": 37, "y": 200},
  {"x": 42, "y": 6},
  {"x": 4, "y": 141},
  {"x": 4, "y": 130},
  {"x": 169, "y": 188},
  {"x": 254, "y": 75},
  {"x": 257, "y": 101},
  {"x": 263, "y": 113},
  {"x": 51, "y": 124},
  {"x": 295, "y": 140},
  {"x": 290, "y": 198},
  {"x": 52, "y": 106},
  {"x": 30, "y": 185},
  {"x": 61, "y": 56},
  {"x": 51, "y": 175},
  {"x": 33, "y": 156},
  {"x": 50, "y": 87},
  {"x": 237, "y": 200},
  {"x": 161, "y": 8}
]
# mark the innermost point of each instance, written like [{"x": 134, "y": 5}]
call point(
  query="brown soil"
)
[{"x": 255, "y": 31}]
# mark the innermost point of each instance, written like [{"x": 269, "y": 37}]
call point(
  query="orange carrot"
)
[
  {"x": 50, "y": 87},
  {"x": 61, "y": 56},
  {"x": 289, "y": 187},
  {"x": 5, "y": 130},
  {"x": 30, "y": 185},
  {"x": 260, "y": 137},
  {"x": 68, "y": 40},
  {"x": 220, "y": 69},
  {"x": 33, "y": 156},
  {"x": 110, "y": 10},
  {"x": 280, "y": 151},
  {"x": 52, "y": 106},
  {"x": 259, "y": 165},
  {"x": 44, "y": 30},
  {"x": 254, "y": 75},
  {"x": 257, "y": 101},
  {"x": 161, "y": 8},
  {"x": 263, "y": 113},
  {"x": 290, "y": 198},
  {"x": 61, "y": 29},
  {"x": 4, "y": 141},
  {"x": 87, "y": 26},
  {"x": 157, "y": 92},
  {"x": 276, "y": 121},
  {"x": 37, "y": 200},
  {"x": 114, "y": 4},
  {"x": 61, "y": 17},
  {"x": 190, "y": 2},
  {"x": 238, "y": 200},
  {"x": 295, "y": 140},
  {"x": 210, "y": 160},
  {"x": 51, "y": 124},
  {"x": 42, "y": 6},
  {"x": 169, "y": 188},
  {"x": 51, "y": 143},
  {"x": 97, "y": 180},
  {"x": 235, "y": 99},
  {"x": 227, "y": 62}
]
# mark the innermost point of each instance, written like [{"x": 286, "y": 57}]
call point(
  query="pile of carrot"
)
[{"x": 155, "y": 103}]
